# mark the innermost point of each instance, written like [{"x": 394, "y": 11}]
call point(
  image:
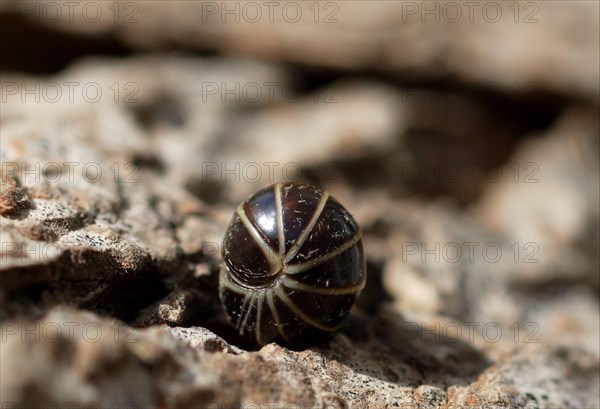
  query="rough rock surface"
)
[
  {"x": 110, "y": 207},
  {"x": 511, "y": 45},
  {"x": 478, "y": 196},
  {"x": 80, "y": 357}
]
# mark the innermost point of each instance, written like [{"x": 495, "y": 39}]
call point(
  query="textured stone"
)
[
  {"x": 513, "y": 46},
  {"x": 98, "y": 361},
  {"x": 133, "y": 257}
]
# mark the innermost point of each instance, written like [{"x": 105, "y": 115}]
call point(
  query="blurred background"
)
[{"x": 462, "y": 136}]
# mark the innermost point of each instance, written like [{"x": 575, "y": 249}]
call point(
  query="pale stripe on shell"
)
[{"x": 275, "y": 315}]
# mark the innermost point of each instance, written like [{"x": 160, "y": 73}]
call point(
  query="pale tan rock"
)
[
  {"x": 81, "y": 357},
  {"x": 512, "y": 46},
  {"x": 141, "y": 251}
]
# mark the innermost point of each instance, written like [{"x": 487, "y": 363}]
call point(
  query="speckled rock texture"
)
[
  {"x": 509, "y": 45},
  {"x": 479, "y": 209}
]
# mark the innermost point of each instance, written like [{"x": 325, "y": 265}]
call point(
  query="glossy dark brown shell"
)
[{"x": 293, "y": 265}]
